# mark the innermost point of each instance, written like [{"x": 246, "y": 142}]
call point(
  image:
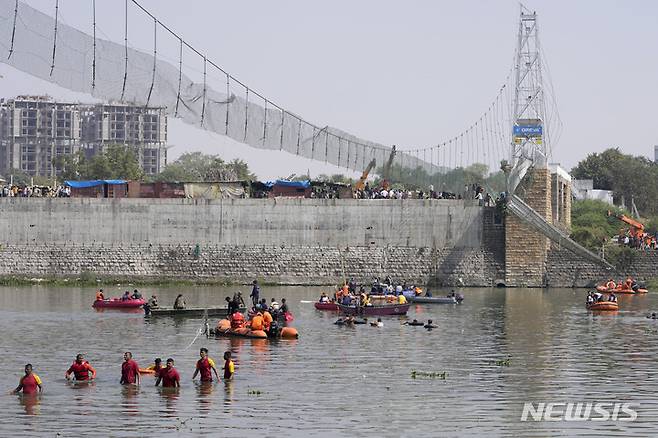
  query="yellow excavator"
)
[
  {"x": 387, "y": 169},
  {"x": 361, "y": 183}
]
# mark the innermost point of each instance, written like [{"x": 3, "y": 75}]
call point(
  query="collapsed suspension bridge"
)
[{"x": 521, "y": 124}]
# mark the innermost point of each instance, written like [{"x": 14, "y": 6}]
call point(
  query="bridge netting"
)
[{"x": 176, "y": 75}]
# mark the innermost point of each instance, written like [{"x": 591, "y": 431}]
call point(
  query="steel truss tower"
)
[{"x": 528, "y": 136}]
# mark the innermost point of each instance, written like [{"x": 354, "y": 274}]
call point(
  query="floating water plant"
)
[
  {"x": 501, "y": 362},
  {"x": 254, "y": 392},
  {"x": 429, "y": 375}
]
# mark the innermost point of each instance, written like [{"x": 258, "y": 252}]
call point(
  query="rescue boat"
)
[
  {"x": 604, "y": 289},
  {"x": 603, "y": 305},
  {"x": 118, "y": 303},
  {"x": 224, "y": 328}
]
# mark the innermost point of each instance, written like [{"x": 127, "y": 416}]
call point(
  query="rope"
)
[
  {"x": 203, "y": 105},
  {"x": 180, "y": 75}
]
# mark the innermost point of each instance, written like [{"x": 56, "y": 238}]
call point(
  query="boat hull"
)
[
  {"x": 191, "y": 311},
  {"x": 385, "y": 310},
  {"x": 327, "y": 306},
  {"x": 609, "y": 306},
  {"x": 118, "y": 303}
]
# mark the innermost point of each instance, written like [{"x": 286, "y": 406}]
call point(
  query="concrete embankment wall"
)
[{"x": 289, "y": 241}]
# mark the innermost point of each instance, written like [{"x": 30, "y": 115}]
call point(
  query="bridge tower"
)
[{"x": 526, "y": 250}]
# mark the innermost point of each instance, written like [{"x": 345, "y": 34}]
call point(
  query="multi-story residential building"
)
[{"x": 36, "y": 129}]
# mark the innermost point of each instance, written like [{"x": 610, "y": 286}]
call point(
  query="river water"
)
[{"x": 500, "y": 348}]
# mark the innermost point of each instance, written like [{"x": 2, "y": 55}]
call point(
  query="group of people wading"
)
[{"x": 82, "y": 371}]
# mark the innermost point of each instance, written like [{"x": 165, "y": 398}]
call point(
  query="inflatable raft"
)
[
  {"x": 603, "y": 305},
  {"x": 223, "y": 328},
  {"x": 118, "y": 303},
  {"x": 604, "y": 289}
]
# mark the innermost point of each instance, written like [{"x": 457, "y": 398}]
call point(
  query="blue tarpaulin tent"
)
[
  {"x": 93, "y": 183},
  {"x": 296, "y": 184}
]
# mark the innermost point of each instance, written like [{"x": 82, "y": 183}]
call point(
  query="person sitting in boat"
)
[
  {"x": 267, "y": 320},
  {"x": 136, "y": 295},
  {"x": 590, "y": 298},
  {"x": 274, "y": 305},
  {"x": 398, "y": 289},
  {"x": 257, "y": 321},
  {"x": 428, "y": 293},
  {"x": 347, "y": 300},
  {"x": 430, "y": 325},
  {"x": 237, "y": 320},
  {"x": 179, "y": 303},
  {"x": 402, "y": 299},
  {"x": 99, "y": 295},
  {"x": 598, "y": 296},
  {"x": 418, "y": 291},
  {"x": 634, "y": 285},
  {"x": 611, "y": 284},
  {"x": 153, "y": 301},
  {"x": 452, "y": 294},
  {"x": 323, "y": 298},
  {"x": 125, "y": 296},
  {"x": 262, "y": 306},
  {"x": 612, "y": 298},
  {"x": 365, "y": 301},
  {"x": 284, "y": 307}
]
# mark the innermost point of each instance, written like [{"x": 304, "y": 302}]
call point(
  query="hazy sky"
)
[{"x": 411, "y": 73}]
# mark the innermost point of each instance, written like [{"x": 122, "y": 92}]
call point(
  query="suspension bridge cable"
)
[
  {"x": 93, "y": 59},
  {"x": 13, "y": 31},
  {"x": 155, "y": 60},
  {"x": 52, "y": 65},
  {"x": 125, "y": 40}
]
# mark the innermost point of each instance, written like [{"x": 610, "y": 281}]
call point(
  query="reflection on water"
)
[
  {"x": 500, "y": 348},
  {"x": 30, "y": 402}
]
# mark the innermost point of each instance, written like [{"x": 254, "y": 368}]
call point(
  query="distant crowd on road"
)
[{"x": 15, "y": 191}]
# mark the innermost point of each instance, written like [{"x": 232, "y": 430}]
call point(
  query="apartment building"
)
[{"x": 36, "y": 129}]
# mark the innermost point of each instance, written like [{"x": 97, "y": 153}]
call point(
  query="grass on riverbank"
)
[{"x": 93, "y": 280}]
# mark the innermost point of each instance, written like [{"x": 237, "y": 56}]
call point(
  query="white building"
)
[{"x": 583, "y": 189}]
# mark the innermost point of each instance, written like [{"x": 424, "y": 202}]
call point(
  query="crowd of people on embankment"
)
[
  {"x": 473, "y": 191},
  {"x": 34, "y": 191},
  {"x": 82, "y": 371},
  {"x": 645, "y": 242}
]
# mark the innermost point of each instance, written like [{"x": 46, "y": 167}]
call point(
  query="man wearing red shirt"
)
[
  {"x": 205, "y": 366},
  {"x": 169, "y": 376},
  {"x": 129, "y": 370},
  {"x": 80, "y": 369},
  {"x": 29, "y": 383}
]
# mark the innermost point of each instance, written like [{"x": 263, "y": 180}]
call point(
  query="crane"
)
[
  {"x": 387, "y": 169},
  {"x": 361, "y": 183},
  {"x": 637, "y": 228}
]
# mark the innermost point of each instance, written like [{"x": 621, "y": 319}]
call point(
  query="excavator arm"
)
[
  {"x": 637, "y": 228},
  {"x": 361, "y": 183},
  {"x": 387, "y": 168}
]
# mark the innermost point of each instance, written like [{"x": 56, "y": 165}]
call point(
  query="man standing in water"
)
[
  {"x": 229, "y": 366},
  {"x": 129, "y": 370},
  {"x": 255, "y": 294},
  {"x": 80, "y": 369},
  {"x": 205, "y": 366},
  {"x": 168, "y": 376},
  {"x": 30, "y": 383}
]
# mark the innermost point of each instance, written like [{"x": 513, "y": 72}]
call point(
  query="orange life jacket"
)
[{"x": 257, "y": 322}]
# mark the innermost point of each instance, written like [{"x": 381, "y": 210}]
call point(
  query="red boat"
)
[
  {"x": 326, "y": 306},
  {"x": 118, "y": 303},
  {"x": 383, "y": 310}
]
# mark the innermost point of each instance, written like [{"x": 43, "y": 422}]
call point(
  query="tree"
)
[
  {"x": 196, "y": 166},
  {"x": 20, "y": 177},
  {"x": 116, "y": 162},
  {"x": 629, "y": 177}
]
